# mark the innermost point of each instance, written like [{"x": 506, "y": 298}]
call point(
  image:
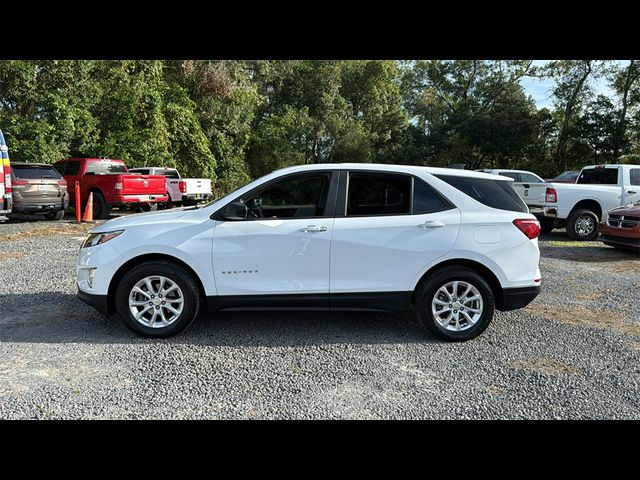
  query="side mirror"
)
[{"x": 235, "y": 211}]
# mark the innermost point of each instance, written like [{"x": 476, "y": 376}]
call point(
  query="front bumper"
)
[
  {"x": 99, "y": 302},
  {"x": 513, "y": 298}
]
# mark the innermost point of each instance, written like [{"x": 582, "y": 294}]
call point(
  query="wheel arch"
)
[
  {"x": 474, "y": 265},
  {"x": 139, "y": 260},
  {"x": 589, "y": 204}
]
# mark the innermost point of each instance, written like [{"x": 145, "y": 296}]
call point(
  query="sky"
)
[{"x": 540, "y": 89}]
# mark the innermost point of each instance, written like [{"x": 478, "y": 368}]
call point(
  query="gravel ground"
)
[{"x": 573, "y": 353}]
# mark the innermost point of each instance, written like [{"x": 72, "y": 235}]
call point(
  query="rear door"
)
[{"x": 388, "y": 227}]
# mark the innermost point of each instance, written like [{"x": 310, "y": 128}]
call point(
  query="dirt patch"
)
[
  {"x": 596, "y": 295},
  {"x": 585, "y": 317},
  {"x": 635, "y": 345},
  {"x": 63, "y": 229},
  {"x": 5, "y": 255},
  {"x": 545, "y": 366},
  {"x": 495, "y": 390}
]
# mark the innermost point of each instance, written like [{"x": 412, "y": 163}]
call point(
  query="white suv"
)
[{"x": 451, "y": 244}]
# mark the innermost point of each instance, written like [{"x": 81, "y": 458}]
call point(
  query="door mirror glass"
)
[{"x": 235, "y": 211}]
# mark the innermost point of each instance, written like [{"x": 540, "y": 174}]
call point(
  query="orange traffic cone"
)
[{"x": 88, "y": 210}]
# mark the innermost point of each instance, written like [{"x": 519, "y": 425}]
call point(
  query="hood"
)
[
  {"x": 147, "y": 218},
  {"x": 631, "y": 210}
]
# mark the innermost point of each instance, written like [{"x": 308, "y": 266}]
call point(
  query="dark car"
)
[
  {"x": 622, "y": 228},
  {"x": 39, "y": 188},
  {"x": 569, "y": 176}
]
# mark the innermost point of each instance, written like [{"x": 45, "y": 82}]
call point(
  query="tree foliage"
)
[{"x": 235, "y": 120}]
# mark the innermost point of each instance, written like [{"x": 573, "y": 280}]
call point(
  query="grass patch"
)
[
  {"x": 5, "y": 255},
  {"x": 545, "y": 366},
  {"x": 62, "y": 229},
  {"x": 571, "y": 243},
  {"x": 585, "y": 317}
]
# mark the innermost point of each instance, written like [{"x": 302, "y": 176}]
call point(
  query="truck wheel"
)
[
  {"x": 100, "y": 207},
  {"x": 158, "y": 299},
  {"x": 455, "y": 304},
  {"x": 546, "y": 225},
  {"x": 59, "y": 215},
  {"x": 582, "y": 225}
]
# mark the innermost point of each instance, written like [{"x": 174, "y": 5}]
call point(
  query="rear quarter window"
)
[
  {"x": 492, "y": 193},
  {"x": 598, "y": 176}
]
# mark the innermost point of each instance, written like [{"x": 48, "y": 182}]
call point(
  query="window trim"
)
[
  {"x": 329, "y": 211},
  {"x": 343, "y": 195}
]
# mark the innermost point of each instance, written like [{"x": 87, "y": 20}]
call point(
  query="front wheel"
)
[
  {"x": 158, "y": 299},
  {"x": 582, "y": 225},
  {"x": 455, "y": 304}
]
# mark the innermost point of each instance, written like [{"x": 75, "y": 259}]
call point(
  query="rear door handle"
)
[
  {"x": 431, "y": 224},
  {"x": 313, "y": 228},
  {"x": 631, "y": 192}
]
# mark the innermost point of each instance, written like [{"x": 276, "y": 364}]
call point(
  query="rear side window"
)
[
  {"x": 141, "y": 171},
  {"x": 634, "y": 173},
  {"x": 598, "y": 176},
  {"x": 514, "y": 175},
  {"x": 371, "y": 194},
  {"x": 427, "y": 200},
  {"x": 35, "y": 172},
  {"x": 72, "y": 168},
  {"x": 492, "y": 193},
  {"x": 529, "y": 178},
  {"x": 169, "y": 173},
  {"x": 101, "y": 167}
]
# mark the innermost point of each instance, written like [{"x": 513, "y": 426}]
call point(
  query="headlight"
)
[{"x": 94, "y": 239}]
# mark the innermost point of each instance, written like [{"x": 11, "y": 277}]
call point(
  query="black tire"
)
[
  {"x": 429, "y": 289},
  {"x": 100, "y": 207},
  {"x": 59, "y": 215},
  {"x": 177, "y": 274},
  {"x": 574, "y": 229}
]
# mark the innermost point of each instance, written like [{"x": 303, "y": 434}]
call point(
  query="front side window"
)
[
  {"x": 297, "y": 197},
  {"x": 376, "y": 194}
]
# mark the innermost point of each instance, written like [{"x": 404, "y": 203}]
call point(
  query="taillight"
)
[
  {"x": 62, "y": 183},
  {"x": 183, "y": 187},
  {"x": 551, "y": 196},
  {"x": 531, "y": 228},
  {"x": 7, "y": 176},
  {"x": 20, "y": 183}
]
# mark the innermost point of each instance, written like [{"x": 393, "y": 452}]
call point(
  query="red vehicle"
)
[
  {"x": 570, "y": 176},
  {"x": 622, "y": 228},
  {"x": 111, "y": 185}
]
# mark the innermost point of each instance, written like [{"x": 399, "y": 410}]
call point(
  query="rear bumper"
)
[
  {"x": 513, "y": 298},
  {"x": 543, "y": 212},
  {"x": 40, "y": 205},
  {"x": 99, "y": 302},
  {"x": 127, "y": 199},
  {"x": 196, "y": 197}
]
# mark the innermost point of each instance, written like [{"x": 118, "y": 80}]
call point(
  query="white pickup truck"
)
[
  {"x": 580, "y": 206},
  {"x": 181, "y": 191},
  {"x": 529, "y": 186}
]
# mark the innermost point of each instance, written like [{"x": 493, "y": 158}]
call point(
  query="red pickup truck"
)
[{"x": 111, "y": 185}]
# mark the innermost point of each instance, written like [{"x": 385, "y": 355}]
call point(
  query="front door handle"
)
[
  {"x": 431, "y": 224},
  {"x": 313, "y": 228}
]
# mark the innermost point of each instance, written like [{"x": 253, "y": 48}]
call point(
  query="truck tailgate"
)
[
  {"x": 532, "y": 193},
  {"x": 143, "y": 185},
  {"x": 198, "y": 185}
]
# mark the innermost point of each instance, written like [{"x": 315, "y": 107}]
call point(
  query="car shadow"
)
[
  {"x": 55, "y": 317},
  {"x": 558, "y": 245}
]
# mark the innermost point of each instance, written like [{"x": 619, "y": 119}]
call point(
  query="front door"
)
[{"x": 283, "y": 248}]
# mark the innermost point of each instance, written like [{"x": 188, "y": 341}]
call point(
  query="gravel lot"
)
[{"x": 573, "y": 353}]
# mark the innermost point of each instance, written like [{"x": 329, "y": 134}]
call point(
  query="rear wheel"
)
[
  {"x": 157, "y": 299},
  {"x": 582, "y": 225},
  {"x": 100, "y": 206},
  {"x": 455, "y": 304}
]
